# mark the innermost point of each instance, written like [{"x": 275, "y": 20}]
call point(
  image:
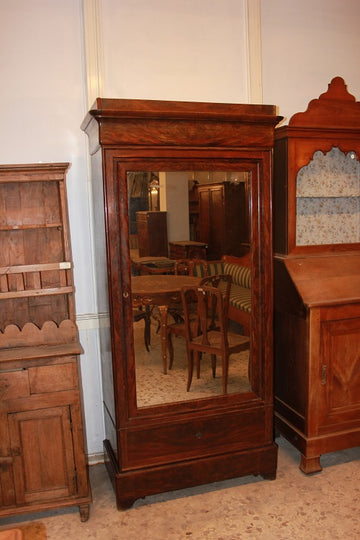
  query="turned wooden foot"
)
[
  {"x": 125, "y": 504},
  {"x": 310, "y": 465},
  {"x": 84, "y": 510},
  {"x": 269, "y": 476}
]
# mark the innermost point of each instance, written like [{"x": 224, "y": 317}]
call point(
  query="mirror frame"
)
[{"x": 119, "y": 258}]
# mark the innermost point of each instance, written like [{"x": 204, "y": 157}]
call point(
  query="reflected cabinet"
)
[{"x": 160, "y": 435}]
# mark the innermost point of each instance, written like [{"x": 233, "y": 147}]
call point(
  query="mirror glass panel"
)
[{"x": 167, "y": 223}]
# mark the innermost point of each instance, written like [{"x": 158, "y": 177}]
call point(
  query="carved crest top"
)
[{"x": 333, "y": 109}]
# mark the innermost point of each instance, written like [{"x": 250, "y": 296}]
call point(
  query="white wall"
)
[
  {"x": 174, "y": 199},
  {"x": 42, "y": 106},
  {"x": 161, "y": 49},
  {"x": 192, "y": 50},
  {"x": 305, "y": 44}
]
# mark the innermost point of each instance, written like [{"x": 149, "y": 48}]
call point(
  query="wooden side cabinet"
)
[
  {"x": 41, "y": 445},
  {"x": 42, "y": 454},
  {"x": 152, "y": 234},
  {"x": 317, "y": 276},
  {"x": 317, "y": 343}
]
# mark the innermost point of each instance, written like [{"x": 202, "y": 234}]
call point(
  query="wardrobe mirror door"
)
[{"x": 176, "y": 205}]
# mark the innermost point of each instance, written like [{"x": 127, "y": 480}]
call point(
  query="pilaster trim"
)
[
  {"x": 89, "y": 321},
  {"x": 253, "y": 9},
  {"x": 93, "y": 44}
]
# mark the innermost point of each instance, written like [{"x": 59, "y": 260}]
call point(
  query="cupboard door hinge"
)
[{"x": 323, "y": 375}]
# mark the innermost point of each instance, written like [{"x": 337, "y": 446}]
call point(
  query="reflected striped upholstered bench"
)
[{"x": 240, "y": 292}]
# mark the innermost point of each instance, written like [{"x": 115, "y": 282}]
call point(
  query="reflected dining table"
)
[{"x": 161, "y": 291}]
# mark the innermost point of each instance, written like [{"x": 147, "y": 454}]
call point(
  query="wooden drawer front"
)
[
  {"x": 190, "y": 439},
  {"x": 14, "y": 384},
  {"x": 55, "y": 378}
]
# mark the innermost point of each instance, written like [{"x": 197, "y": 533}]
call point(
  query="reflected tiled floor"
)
[
  {"x": 154, "y": 388},
  {"x": 292, "y": 507}
]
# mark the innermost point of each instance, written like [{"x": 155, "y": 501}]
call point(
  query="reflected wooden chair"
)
[
  {"x": 191, "y": 267},
  {"x": 223, "y": 281},
  {"x": 202, "y": 337},
  {"x": 183, "y": 267},
  {"x": 144, "y": 314}
]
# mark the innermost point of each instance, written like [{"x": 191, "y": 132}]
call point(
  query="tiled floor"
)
[{"x": 292, "y": 507}]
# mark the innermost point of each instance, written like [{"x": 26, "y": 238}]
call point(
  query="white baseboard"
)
[
  {"x": 89, "y": 321},
  {"x": 95, "y": 459}
]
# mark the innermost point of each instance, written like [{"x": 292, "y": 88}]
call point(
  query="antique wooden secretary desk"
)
[
  {"x": 179, "y": 443},
  {"x": 317, "y": 276}
]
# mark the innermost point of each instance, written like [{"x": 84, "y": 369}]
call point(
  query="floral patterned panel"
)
[{"x": 328, "y": 199}]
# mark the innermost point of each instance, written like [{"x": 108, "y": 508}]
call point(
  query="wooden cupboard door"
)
[
  {"x": 152, "y": 234},
  {"x": 217, "y": 223},
  {"x": 340, "y": 373},
  {"x": 7, "y": 489},
  {"x": 204, "y": 216},
  {"x": 211, "y": 220},
  {"x": 43, "y": 458}
]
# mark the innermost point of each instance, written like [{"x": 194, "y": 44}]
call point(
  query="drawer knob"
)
[{"x": 198, "y": 435}]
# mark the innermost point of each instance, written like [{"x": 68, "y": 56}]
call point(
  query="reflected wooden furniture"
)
[
  {"x": 187, "y": 249},
  {"x": 174, "y": 445},
  {"x": 183, "y": 267},
  {"x": 240, "y": 293},
  {"x": 191, "y": 267},
  {"x": 317, "y": 286},
  {"x": 152, "y": 265},
  {"x": 42, "y": 454},
  {"x": 152, "y": 234},
  {"x": 141, "y": 314},
  {"x": 161, "y": 291},
  {"x": 211, "y": 303},
  {"x": 178, "y": 327},
  {"x": 223, "y": 220}
]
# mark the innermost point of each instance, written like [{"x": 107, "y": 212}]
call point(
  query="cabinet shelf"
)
[
  {"x": 21, "y": 269},
  {"x": 36, "y": 292},
  {"x": 14, "y": 282},
  {"x": 39, "y": 352},
  {"x": 31, "y": 226}
]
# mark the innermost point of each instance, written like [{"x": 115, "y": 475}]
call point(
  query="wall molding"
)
[
  {"x": 91, "y": 321},
  {"x": 254, "y": 51},
  {"x": 96, "y": 458},
  {"x": 94, "y": 53},
  {"x": 94, "y": 50}
]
